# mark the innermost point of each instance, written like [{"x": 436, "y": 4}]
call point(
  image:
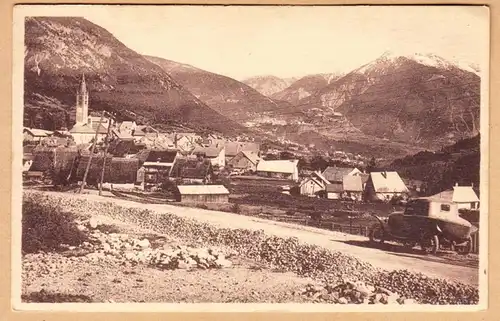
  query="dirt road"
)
[{"x": 350, "y": 244}]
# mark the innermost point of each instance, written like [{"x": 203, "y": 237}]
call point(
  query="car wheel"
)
[
  {"x": 430, "y": 244},
  {"x": 376, "y": 234}
]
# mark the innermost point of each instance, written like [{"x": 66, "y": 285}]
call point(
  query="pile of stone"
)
[
  {"x": 349, "y": 292},
  {"x": 125, "y": 248}
]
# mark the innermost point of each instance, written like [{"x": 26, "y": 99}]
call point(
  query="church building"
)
[{"x": 84, "y": 130}]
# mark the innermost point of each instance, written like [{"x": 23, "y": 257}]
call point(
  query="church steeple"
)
[{"x": 82, "y": 102}]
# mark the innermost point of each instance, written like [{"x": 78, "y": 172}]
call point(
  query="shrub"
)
[
  {"x": 45, "y": 225},
  {"x": 235, "y": 208}
]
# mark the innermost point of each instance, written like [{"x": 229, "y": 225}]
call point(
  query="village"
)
[{"x": 213, "y": 172}]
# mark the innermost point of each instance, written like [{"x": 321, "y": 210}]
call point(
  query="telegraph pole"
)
[
  {"x": 106, "y": 142},
  {"x": 91, "y": 153}
]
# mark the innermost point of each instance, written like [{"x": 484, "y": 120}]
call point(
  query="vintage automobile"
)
[{"x": 430, "y": 223}]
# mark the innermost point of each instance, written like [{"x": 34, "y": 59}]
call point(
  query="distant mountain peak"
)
[{"x": 428, "y": 59}]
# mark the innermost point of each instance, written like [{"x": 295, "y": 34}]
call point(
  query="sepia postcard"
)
[{"x": 250, "y": 158}]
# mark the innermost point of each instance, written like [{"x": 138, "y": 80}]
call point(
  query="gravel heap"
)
[
  {"x": 287, "y": 254},
  {"x": 124, "y": 248},
  {"x": 348, "y": 292}
]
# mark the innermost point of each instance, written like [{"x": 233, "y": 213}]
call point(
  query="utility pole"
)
[
  {"x": 106, "y": 142},
  {"x": 84, "y": 181}
]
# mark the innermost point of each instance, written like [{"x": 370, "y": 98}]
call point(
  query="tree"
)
[
  {"x": 319, "y": 163},
  {"x": 372, "y": 165}
]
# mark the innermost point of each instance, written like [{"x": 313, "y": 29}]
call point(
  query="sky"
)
[{"x": 292, "y": 41}]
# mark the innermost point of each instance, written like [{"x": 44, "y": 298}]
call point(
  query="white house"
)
[
  {"x": 216, "y": 154},
  {"x": 383, "y": 186},
  {"x": 463, "y": 196},
  {"x": 287, "y": 169}
]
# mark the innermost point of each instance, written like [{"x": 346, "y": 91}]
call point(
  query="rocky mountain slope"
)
[
  {"x": 304, "y": 87},
  {"x": 417, "y": 99},
  {"x": 58, "y": 50},
  {"x": 269, "y": 85},
  {"x": 225, "y": 95}
]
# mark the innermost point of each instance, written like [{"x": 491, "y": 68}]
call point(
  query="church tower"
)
[{"x": 82, "y": 103}]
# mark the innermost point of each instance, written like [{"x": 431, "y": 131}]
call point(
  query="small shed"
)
[{"x": 202, "y": 194}]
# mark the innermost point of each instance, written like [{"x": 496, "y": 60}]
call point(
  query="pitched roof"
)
[
  {"x": 459, "y": 194},
  {"x": 389, "y": 182},
  {"x": 233, "y": 148},
  {"x": 334, "y": 188},
  {"x": 143, "y": 130},
  {"x": 190, "y": 168},
  {"x": 252, "y": 156},
  {"x": 202, "y": 190},
  {"x": 161, "y": 156},
  {"x": 335, "y": 174},
  {"x": 123, "y": 135},
  {"x": 82, "y": 129},
  {"x": 278, "y": 166},
  {"x": 352, "y": 183},
  {"x": 321, "y": 177},
  {"x": 38, "y": 132},
  {"x": 210, "y": 151},
  {"x": 314, "y": 179}
]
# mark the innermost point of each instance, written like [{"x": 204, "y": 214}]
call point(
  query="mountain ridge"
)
[{"x": 59, "y": 49}]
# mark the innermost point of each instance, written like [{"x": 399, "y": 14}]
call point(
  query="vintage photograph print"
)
[{"x": 300, "y": 158}]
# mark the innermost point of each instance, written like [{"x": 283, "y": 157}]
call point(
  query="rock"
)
[
  {"x": 183, "y": 265},
  {"x": 143, "y": 243},
  {"x": 343, "y": 300},
  {"x": 82, "y": 227},
  {"x": 93, "y": 223},
  {"x": 106, "y": 247},
  {"x": 130, "y": 256},
  {"x": 223, "y": 263}
]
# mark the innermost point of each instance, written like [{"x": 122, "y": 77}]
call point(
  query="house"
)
[
  {"x": 84, "y": 133},
  {"x": 34, "y": 135},
  {"x": 336, "y": 174},
  {"x": 285, "y": 169},
  {"x": 464, "y": 196},
  {"x": 216, "y": 154},
  {"x": 352, "y": 186},
  {"x": 143, "y": 130},
  {"x": 186, "y": 142},
  {"x": 157, "y": 165},
  {"x": 122, "y": 135},
  {"x": 192, "y": 170},
  {"x": 97, "y": 121},
  {"x": 160, "y": 141},
  {"x": 334, "y": 190},
  {"x": 384, "y": 186},
  {"x": 245, "y": 160},
  {"x": 313, "y": 184},
  {"x": 233, "y": 148},
  {"x": 127, "y": 126}
]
